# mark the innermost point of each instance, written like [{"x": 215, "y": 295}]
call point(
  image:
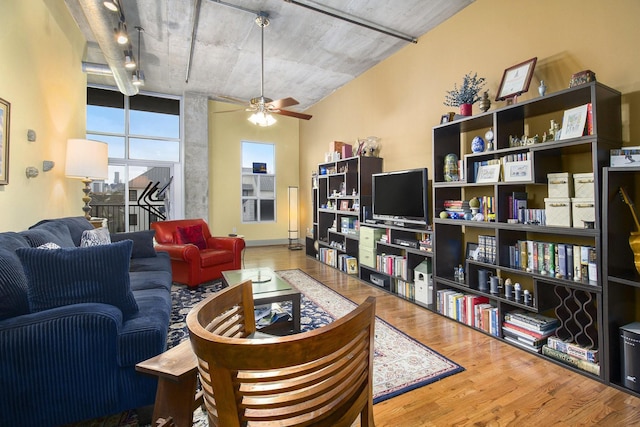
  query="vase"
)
[
  {"x": 477, "y": 145},
  {"x": 484, "y": 104},
  {"x": 465, "y": 109},
  {"x": 542, "y": 89}
]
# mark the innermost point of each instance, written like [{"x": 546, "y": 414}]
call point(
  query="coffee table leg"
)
[
  {"x": 296, "y": 312},
  {"x": 176, "y": 399}
]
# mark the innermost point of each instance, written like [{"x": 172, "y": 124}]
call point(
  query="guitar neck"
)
[{"x": 627, "y": 200}]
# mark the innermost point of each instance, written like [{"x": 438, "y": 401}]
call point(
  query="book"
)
[
  {"x": 352, "y": 265},
  {"x": 276, "y": 314},
  {"x": 590, "y": 355},
  {"x": 584, "y": 365},
  {"x": 531, "y": 321},
  {"x": 523, "y": 345},
  {"x": 533, "y": 334}
]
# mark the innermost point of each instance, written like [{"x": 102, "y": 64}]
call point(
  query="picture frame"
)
[
  {"x": 5, "y": 118},
  {"x": 344, "y": 205},
  {"x": 472, "y": 251},
  {"x": 517, "y": 171},
  {"x": 573, "y": 122},
  {"x": 446, "y": 118},
  {"x": 488, "y": 174},
  {"x": 516, "y": 79}
]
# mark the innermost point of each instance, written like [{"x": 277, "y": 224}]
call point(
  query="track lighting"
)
[
  {"x": 111, "y": 5},
  {"x": 121, "y": 33},
  {"x": 129, "y": 62}
]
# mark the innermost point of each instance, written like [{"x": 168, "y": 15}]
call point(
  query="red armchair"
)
[{"x": 192, "y": 265}]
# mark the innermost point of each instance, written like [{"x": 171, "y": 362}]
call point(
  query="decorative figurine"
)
[
  {"x": 484, "y": 104},
  {"x": 542, "y": 89},
  {"x": 489, "y": 137},
  {"x": 451, "y": 168}
]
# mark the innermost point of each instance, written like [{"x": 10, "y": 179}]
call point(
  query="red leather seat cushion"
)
[
  {"x": 209, "y": 257},
  {"x": 191, "y": 234}
]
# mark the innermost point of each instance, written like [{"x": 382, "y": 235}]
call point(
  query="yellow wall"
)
[
  {"x": 400, "y": 99},
  {"x": 226, "y": 131},
  {"x": 41, "y": 76}
]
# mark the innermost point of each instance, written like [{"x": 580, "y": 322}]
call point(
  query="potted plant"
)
[{"x": 467, "y": 95}]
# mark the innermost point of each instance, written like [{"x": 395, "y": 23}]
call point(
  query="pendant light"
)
[{"x": 138, "y": 75}]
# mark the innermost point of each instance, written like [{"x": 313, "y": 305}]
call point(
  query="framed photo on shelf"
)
[
  {"x": 5, "y": 110},
  {"x": 516, "y": 80},
  {"x": 517, "y": 171},
  {"x": 446, "y": 118},
  {"x": 344, "y": 205},
  {"x": 573, "y": 122},
  {"x": 488, "y": 174},
  {"x": 472, "y": 251}
]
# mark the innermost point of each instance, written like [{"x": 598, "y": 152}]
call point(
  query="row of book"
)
[
  {"x": 517, "y": 202},
  {"x": 404, "y": 289},
  {"x": 343, "y": 262},
  {"x": 561, "y": 260},
  {"x": 473, "y": 310},
  {"x": 528, "y": 330},
  {"x": 393, "y": 265}
]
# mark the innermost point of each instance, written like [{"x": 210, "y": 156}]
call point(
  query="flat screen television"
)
[{"x": 400, "y": 197}]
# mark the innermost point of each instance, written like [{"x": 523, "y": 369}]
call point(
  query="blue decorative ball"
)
[{"x": 477, "y": 144}]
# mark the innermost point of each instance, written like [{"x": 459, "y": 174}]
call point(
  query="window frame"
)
[{"x": 255, "y": 178}]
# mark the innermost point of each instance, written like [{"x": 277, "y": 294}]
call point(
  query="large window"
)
[
  {"x": 258, "y": 182},
  {"x": 143, "y": 133}
]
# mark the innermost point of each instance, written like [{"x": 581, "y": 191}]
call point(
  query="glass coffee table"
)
[{"x": 269, "y": 288}]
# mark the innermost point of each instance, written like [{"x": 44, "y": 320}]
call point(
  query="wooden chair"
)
[{"x": 317, "y": 378}]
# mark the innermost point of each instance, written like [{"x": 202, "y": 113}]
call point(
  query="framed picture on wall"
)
[{"x": 5, "y": 110}]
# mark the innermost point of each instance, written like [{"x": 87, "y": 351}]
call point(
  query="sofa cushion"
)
[
  {"x": 192, "y": 234},
  {"x": 55, "y": 232},
  {"x": 149, "y": 280},
  {"x": 210, "y": 257},
  {"x": 13, "y": 285},
  {"x": 79, "y": 275},
  {"x": 76, "y": 225},
  {"x": 142, "y": 242},
  {"x": 95, "y": 237},
  {"x": 161, "y": 262}
]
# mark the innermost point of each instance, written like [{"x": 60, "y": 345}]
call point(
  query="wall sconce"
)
[
  {"x": 294, "y": 245},
  {"x": 47, "y": 165},
  {"x": 31, "y": 135},
  {"x": 31, "y": 172}
]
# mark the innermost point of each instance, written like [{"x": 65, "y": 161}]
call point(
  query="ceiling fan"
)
[{"x": 261, "y": 106}]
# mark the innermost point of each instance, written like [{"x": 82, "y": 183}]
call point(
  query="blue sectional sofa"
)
[{"x": 74, "y": 322}]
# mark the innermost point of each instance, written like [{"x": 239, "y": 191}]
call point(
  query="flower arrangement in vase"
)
[{"x": 466, "y": 95}]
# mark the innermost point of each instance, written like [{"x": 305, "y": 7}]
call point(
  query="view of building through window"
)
[
  {"x": 143, "y": 133},
  {"x": 258, "y": 182}
]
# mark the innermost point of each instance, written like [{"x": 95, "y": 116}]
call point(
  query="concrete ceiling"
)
[{"x": 307, "y": 54}]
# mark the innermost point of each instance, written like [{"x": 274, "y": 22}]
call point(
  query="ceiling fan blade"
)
[
  {"x": 232, "y": 100},
  {"x": 282, "y": 103},
  {"x": 293, "y": 114},
  {"x": 230, "y": 111}
]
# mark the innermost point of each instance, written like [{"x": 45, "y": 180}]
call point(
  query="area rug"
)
[{"x": 400, "y": 363}]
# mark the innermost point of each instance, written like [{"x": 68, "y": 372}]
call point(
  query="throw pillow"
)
[
  {"x": 79, "y": 275},
  {"x": 76, "y": 224},
  {"x": 49, "y": 245},
  {"x": 191, "y": 234},
  {"x": 95, "y": 237},
  {"x": 142, "y": 242},
  {"x": 56, "y": 232}
]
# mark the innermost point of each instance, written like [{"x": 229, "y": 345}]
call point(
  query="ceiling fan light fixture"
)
[{"x": 262, "y": 118}]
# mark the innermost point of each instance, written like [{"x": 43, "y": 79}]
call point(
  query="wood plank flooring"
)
[{"x": 501, "y": 386}]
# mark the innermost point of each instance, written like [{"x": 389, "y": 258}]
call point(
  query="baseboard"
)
[{"x": 273, "y": 242}]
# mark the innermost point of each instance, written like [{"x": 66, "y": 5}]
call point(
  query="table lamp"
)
[{"x": 87, "y": 160}]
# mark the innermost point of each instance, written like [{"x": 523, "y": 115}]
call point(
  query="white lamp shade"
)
[
  {"x": 293, "y": 212},
  {"x": 87, "y": 159}
]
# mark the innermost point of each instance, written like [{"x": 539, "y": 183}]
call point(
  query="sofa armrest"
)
[
  {"x": 233, "y": 244},
  {"x": 186, "y": 252}
]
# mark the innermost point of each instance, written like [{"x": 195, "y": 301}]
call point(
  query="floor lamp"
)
[
  {"x": 294, "y": 245},
  {"x": 87, "y": 160}
]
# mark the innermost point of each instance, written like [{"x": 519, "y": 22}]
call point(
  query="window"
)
[
  {"x": 258, "y": 182},
  {"x": 143, "y": 133}
]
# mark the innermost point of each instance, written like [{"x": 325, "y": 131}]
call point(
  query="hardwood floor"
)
[{"x": 501, "y": 386}]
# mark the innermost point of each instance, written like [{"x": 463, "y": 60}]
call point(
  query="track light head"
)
[
  {"x": 138, "y": 78},
  {"x": 129, "y": 62},
  {"x": 111, "y": 5},
  {"x": 121, "y": 33}
]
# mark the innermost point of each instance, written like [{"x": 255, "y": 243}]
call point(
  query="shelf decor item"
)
[
  {"x": 516, "y": 80},
  {"x": 451, "y": 168},
  {"x": 634, "y": 237},
  {"x": 466, "y": 95},
  {"x": 477, "y": 144},
  {"x": 573, "y": 122},
  {"x": 5, "y": 109},
  {"x": 485, "y": 102}
]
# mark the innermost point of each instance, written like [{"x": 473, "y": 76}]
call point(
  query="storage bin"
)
[
  {"x": 583, "y": 185},
  {"x": 369, "y": 236},
  {"x": 367, "y": 256},
  {"x": 558, "y": 211},
  {"x": 582, "y": 210},
  {"x": 559, "y": 185}
]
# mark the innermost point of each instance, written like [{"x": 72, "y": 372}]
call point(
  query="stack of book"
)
[
  {"x": 528, "y": 330},
  {"x": 473, "y": 310},
  {"x": 456, "y": 208},
  {"x": 572, "y": 354}
]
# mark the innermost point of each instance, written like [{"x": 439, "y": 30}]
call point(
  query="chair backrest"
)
[
  {"x": 165, "y": 230},
  {"x": 320, "y": 377}
]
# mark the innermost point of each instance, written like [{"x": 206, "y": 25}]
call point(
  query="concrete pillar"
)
[{"x": 196, "y": 156}]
